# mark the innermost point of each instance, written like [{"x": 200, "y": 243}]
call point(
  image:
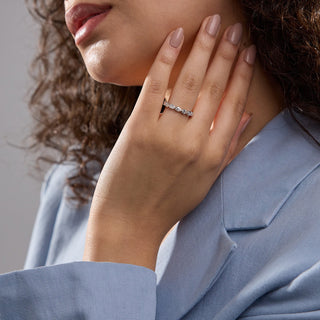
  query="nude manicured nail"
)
[
  {"x": 176, "y": 38},
  {"x": 213, "y": 24},
  {"x": 235, "y": 33},
  {"x": 250, "y": 55}
]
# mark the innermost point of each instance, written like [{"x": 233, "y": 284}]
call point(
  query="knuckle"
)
[
  {"x": 216, "y": 159},
  {"x": 166, "y": 58},
  {"x": 156, "y": 86},
  {"x": 221, "y": 153},
  {"x": 203, "y": 44},
  {"x": 192, "y": 152},
  {"x": 227, "y": 53},
  {"x": 190, "y": 83},
  {"x": 161, "y": 147},
  {"x": 215, "y": 90},
  {"x": 139, "y": 141},
  {"x": 243, "y": 74},
  {"x": 238, "y": 107},
  {"x": 140, "y": 137}
]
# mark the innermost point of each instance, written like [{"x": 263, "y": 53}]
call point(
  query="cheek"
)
[{"x": 123, "y": 57}]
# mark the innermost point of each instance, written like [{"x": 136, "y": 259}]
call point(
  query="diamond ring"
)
[{"x": 178, "y": 109}]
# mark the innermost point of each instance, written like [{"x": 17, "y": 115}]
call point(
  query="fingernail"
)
[
  {"x": 176, "y": 38},
  {"x": 250, "y": 55},
  {"x": 235, "y": 33},
  {"x": 246, "y": 121},
  {"x": 213, "y": 24}
]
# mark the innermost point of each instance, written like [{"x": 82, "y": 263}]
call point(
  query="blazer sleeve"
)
[
  {"x": 75, "y": 290},
  {"x": 79, "y": 290}
]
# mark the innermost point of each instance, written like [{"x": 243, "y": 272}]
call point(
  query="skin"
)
[{"x": 141, "y": 192}]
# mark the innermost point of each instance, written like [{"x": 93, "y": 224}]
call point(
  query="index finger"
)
[{"x": 156, "y": 83}]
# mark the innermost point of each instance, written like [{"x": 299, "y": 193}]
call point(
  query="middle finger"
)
[{"x": 189, "y": 82}]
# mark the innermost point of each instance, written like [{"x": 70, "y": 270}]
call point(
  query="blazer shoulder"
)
[{"x": 55, "y": 180}]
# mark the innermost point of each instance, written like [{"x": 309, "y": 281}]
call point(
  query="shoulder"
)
[
  {"x": 55, "y": 181},
  {"x": 51, "y": 203}
]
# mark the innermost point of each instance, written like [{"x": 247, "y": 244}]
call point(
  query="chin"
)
[
  {"x": 107, "y": 64},
  {"x": 105, "y": 77},
  {"x": 112, "y": 64},
  {"x": 109, "y": 73}
]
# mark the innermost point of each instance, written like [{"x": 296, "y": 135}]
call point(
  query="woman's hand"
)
[{"x": 163, "y": 165}]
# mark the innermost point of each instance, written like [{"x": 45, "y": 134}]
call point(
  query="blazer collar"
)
[{"x": 247, "y": 195}]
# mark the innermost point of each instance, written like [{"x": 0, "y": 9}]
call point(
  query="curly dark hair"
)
[{"x": 81, "y": 119}]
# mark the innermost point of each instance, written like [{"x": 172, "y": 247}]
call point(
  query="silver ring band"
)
[{"x": 178, "y": 109}]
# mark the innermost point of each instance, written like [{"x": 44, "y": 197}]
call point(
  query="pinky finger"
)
[
  {"x": 231, "y": 154},
  {"x": 245, "y": 120},
  {"x": 232, "y": 107}
]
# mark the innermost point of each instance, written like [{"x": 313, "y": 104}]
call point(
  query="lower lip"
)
[{"x": 85, "y": 31}]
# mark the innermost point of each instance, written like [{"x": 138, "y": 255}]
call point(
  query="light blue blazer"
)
[{"x": 249, "y": 251}]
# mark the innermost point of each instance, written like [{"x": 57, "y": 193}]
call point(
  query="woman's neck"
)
[{"x": 265, "y": 101}]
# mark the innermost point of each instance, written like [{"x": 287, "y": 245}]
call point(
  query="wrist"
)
[{"x": 117, "y": 239}]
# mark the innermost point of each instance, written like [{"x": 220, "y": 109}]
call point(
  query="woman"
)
[{"x": 197, "y": 213}]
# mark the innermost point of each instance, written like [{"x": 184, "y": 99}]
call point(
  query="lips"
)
[{"x": 78, "y": 15}]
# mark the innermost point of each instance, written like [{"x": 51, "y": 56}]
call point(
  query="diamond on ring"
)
[{"x": 178, "y": 109}]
